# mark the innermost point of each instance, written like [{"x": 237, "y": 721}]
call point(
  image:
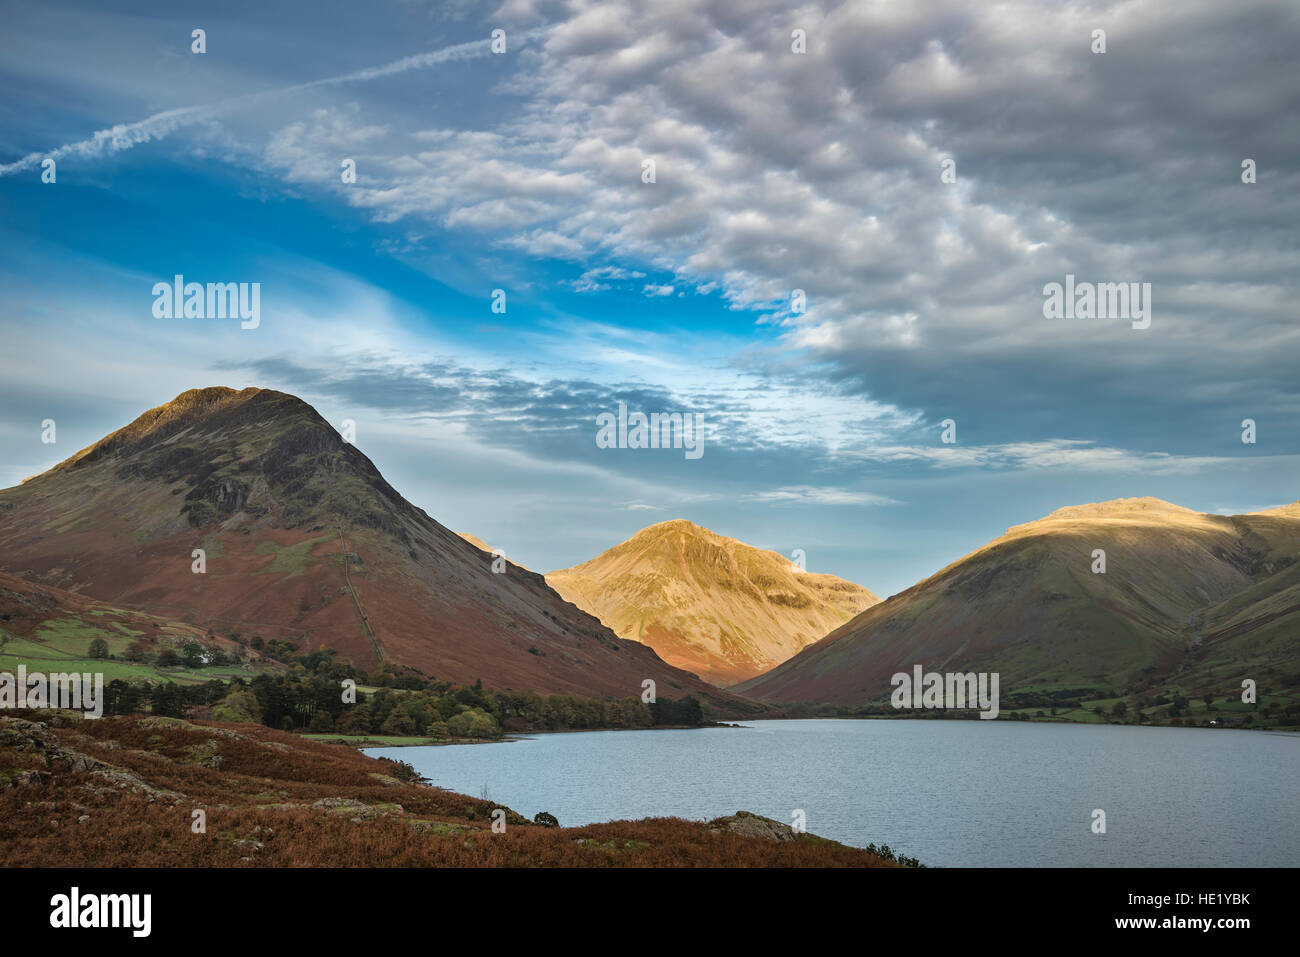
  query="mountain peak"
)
[
  {"x": 707, "y": 603},
  {"x": 1119, "y": 508},
  {"x": 676, "y": 525},
  {"x": 195, "y": 406},
  {"x": 254, "y": 451}
]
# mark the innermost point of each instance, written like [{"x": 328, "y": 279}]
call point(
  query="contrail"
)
[{"x": 126, "y": 135}]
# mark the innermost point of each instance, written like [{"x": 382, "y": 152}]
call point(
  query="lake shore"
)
[{"x": 363, "y": 741}]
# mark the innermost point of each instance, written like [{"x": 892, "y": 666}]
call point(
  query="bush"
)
[
  {"x": 546, "y": 819},
  {"x": 239, "y": 705},
  {"x": 886, "y": 853},
  {"x": 474, "y": 723},
  {"x": 404, "y": 772}
]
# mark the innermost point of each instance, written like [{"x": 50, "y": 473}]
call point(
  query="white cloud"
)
[
  {"x": 812, "y": 495},
  {"x": 1072, "y": 454}
]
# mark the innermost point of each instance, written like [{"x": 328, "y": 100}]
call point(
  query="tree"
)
[
  {"x": 398, "y": 723},
  {"x": 239, "y": 705},
  {"x": 1209, "y": 700},
  {"x": 166, "y": 700},
  {"x": 99, "y": 648},
  {"x": 354, "y": 720},
  {"x": 121, "y": 697},
  {"x": 192, "y": 655},
  {"x": 1120, "y": 709},
  {"x": 167, "y": 658},
  {"x": 473, "y": 723}
]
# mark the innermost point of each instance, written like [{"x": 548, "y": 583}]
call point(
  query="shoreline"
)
[
  {"x": 370, "y": 742},
  {"x": 364, "y": 742}
]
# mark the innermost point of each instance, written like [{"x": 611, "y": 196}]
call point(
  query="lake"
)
[{"x": 951, "y": 793}]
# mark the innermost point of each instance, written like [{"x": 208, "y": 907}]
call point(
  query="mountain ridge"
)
[{"x": 1030, "y": 606}]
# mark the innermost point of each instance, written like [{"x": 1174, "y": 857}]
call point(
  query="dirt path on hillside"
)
[{"x": 356, "y": 599}]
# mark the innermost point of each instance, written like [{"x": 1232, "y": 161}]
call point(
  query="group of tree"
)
[{"x": 309, "y": 696}]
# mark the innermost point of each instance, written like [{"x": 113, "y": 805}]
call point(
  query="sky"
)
[{"x": 919, "y": 173}]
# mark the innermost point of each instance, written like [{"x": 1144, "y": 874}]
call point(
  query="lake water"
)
[{"x": 952, "y": 793}]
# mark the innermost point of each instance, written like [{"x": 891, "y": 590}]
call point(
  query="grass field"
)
[{"x": 63, "y": 644}]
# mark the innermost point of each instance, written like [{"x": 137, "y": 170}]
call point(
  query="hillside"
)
[
  {"x": 709, "y": 604},
  {"x": 1187, "y": 598},
  {"x": 305, "y": 542},
  {"x": 120, "y": 792},
  {"x": 49, "y": 629}
]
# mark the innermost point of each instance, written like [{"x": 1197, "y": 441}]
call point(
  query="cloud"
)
[
  {"x": 594, "y": 280},
  {"x": 124, "y": 136},
  {"x": 1078, "y": 455},
  {"x": 821, "y": 172},
  {"x": 811, "y": 495}
]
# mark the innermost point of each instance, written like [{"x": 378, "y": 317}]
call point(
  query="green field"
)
[{"x": 63, "y": 645}]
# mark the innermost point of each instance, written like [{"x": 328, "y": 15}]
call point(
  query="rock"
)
[
  {"x": 22, "y": 778},
  {"x": 129, "y": 781},
  {"x": 439, "y": 827},
  {"x": 24, "y": 735},
  {"x": 331, "y": 802},
  {"x": 747, "y": 824}
]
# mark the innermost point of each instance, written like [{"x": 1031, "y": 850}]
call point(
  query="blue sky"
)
[{"x": 775, "y": 171}]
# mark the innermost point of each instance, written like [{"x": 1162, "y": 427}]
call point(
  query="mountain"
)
[
  {"x": 304, "y": 541},
  {"x": 712, "y": 605},
  {"x": 1190, "y": 598}
]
